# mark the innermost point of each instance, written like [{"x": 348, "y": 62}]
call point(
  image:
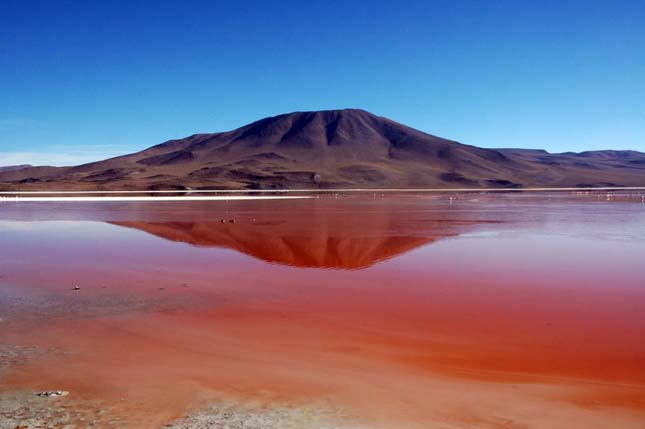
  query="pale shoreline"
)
[
  {"x": 330, "y": 190},
  {"x": 114, "y": 199},
  {"x": 98, "y": 196}
]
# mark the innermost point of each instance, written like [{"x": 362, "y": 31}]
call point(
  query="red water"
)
[{"x": 408, "y": 311}]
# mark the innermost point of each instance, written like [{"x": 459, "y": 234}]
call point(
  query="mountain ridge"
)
[
  {"x": 345, "y": 148},
  {"x": 7, "y": 168}
]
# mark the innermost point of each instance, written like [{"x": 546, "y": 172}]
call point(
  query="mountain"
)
[
  {"x": 14, "y": 167},
  {"x": 333, "y": 149}
]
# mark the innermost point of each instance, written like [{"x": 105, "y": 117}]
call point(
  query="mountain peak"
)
[
  {"x": 330, "y": 113},
  {"x": 340, "y": 148}
]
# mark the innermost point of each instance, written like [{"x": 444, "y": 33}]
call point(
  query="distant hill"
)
[
  {"x": 14, "y": 167},
  {"x": 333, "y": 149}
]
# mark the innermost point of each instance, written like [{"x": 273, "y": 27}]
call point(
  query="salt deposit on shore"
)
[{"x": 141, "y": 198}]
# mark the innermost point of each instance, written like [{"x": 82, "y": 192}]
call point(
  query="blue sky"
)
[{"x": 81, "y": 81}]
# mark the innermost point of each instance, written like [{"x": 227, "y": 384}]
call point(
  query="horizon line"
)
[{"x": 4, "y": 194}]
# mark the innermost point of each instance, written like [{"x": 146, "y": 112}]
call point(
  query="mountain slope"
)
[
  {"x": 8, "y": 168},
  {"x": 333, "y": 149}
]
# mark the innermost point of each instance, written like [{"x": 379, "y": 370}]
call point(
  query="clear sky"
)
[{"x": 80, "y": 81}]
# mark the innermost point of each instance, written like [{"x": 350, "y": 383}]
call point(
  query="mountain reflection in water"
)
[
  {"x": 317, "y": 238},
  {"x": 521, "y": 310}
]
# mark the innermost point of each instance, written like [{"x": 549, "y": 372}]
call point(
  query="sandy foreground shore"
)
[{"x": 25, "y": 410}]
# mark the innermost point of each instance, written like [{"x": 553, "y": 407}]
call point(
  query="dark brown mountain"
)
[{"x": 333, "y": 149}]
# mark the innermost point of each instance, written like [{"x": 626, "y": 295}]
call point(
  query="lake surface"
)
[{"x": 393, "y": 311}]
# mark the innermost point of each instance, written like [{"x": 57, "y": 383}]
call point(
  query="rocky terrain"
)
[{"x": 231, "y": 416}]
